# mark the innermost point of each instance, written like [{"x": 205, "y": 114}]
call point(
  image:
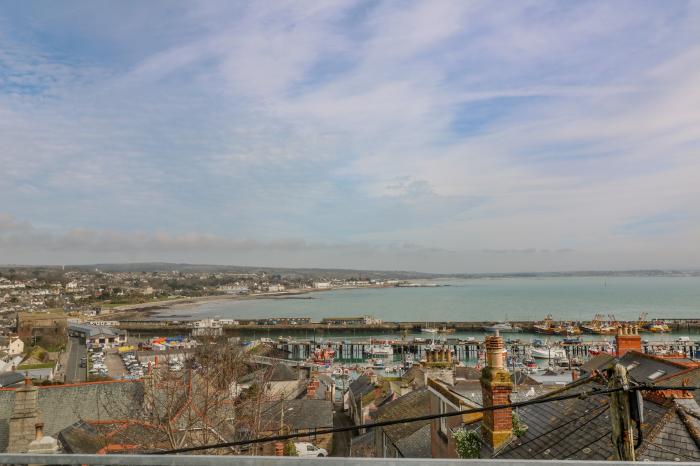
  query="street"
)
[
  {"x": 75, "y": 373},
  {"x": 341, "y": 440}
]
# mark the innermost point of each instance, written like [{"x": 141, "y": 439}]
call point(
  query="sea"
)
[{"x": 484, "y": 299}]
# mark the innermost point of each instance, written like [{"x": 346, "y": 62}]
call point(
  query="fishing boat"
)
[
  {"x": 429, "y": 330},
  {"x": 572, "y": 340},
  {"x": 568, "y": 329},
  {"x": 323, "y": 356},
  {"x": 598, "y": 326},
  {"x": 658, "y": 326},
  {"x": 545, "y": 327},
  {"x": 378, "y": 363},
  {"x": 444, "y": 329},
  {"x": 539, "y": 350},
  {"x": 502, "y": 327}
]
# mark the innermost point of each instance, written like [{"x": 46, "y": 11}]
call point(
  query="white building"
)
[
  {"x": 322, "y": 285},
  {"x": 275, "y": 288},
  {"x": 11, "y": 345}
]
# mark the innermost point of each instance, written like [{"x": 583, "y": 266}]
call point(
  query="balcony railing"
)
[{"x": 204, "y": 460}]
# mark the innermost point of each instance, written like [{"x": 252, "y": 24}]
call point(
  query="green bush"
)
[
  {"x": 290, "y": 449},
  {"x": 468, "y": 443}
]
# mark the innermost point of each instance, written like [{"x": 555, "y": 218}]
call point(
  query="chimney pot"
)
[{"x": 39, "y": 426}]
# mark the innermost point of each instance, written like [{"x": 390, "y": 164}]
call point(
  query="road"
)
[
  {"x": 75, "y": 373},
  {"x": 341, "y": 440}
]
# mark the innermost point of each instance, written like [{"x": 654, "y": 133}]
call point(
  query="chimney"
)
[
  {"x": 39, "y": 431},
  {"x": 311, "y": 391},
  {"x": 574, "y": 375},
  {"x": 627, "y": 339},
  {"x": 496, "y": 387}
]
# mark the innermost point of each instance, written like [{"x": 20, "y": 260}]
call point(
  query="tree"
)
[{"x": 197, "y": 406}]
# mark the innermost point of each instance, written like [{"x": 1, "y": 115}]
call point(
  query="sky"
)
[{"x": 435, "y": 136}]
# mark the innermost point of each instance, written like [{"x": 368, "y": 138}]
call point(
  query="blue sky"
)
[{"x": 436, "y": 136}]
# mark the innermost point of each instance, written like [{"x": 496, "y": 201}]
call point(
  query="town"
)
[{"x": 79, "y": 374}]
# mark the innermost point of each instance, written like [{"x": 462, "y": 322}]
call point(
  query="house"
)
[
  {"x": 11, "y": 345},
  {"x": 49, "y": 327},
  {"x": 365, "y": 395},
  {"x": 578, "y": 428},
  {"x": 408, "y": 440},
  {"x": 297, "y": 416},
  {"x": 280, "y": 381}
]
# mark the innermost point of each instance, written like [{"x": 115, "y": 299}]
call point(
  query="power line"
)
[
  {"x": 668, "y": 450},
  {"x": 582, "y": 425},
  {"x": 427, "y": 417},
  {"x": 564, "y": 424},
  {"x": 586, "y": 446}
]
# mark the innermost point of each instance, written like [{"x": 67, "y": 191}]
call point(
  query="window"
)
[
  {"x": 632, "y": 365},
  {"x": 656, "y": 374},
  {"x": 443, "y": 420}
]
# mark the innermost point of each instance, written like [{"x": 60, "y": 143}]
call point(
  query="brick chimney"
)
[
  {"x": 627, "y": 339},
  {"x": 496, "y": 387}
]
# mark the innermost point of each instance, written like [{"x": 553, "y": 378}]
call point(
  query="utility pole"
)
[{"x": 622, "y": 431}]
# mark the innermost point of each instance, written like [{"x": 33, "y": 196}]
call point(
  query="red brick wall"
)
[
  {"x": 499, "y": 420},
  {"x": 627, "y": 343}
]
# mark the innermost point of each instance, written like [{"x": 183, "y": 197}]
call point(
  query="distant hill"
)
[{"x": 285, "y": 271}]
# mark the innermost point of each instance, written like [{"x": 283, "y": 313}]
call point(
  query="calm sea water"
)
[{"x": 575, "y": 298}]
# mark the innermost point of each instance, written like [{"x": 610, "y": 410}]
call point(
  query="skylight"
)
[{"x": 656, "y": 374}]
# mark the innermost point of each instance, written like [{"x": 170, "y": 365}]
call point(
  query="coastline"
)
[{"x": 145, "y": 311}]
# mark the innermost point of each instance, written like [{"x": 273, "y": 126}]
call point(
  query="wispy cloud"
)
[{"x": 539, "y": 125}]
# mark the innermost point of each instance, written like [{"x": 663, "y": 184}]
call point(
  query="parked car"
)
[{"x": 308, "y": 450}]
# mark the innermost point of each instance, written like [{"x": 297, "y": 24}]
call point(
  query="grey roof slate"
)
[
  {"x": 298, "y": 414},
  {"x": 415, "y": 403},
  {"x": 571, "y": 429},
  {"x": 8, "y": 379},
  {"x": 640, "y": 366},
  {"x": 416, "y": 445}
]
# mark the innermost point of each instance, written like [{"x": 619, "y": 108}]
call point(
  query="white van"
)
[{"x": 308, "y": 450}]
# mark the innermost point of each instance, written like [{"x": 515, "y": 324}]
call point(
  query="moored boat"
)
[{"x": 502, "y": 327}]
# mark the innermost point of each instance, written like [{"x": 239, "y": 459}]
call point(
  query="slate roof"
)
[
  {"x": 361, "y": 386},
  {"x": 416, "y": 445},
  {"x": 63, "y": 405},
  {"x": 415, "y": 403},
  {"x": 580, "y": 429},
  {"x": 672, "y": 440},
  {"x": 298, "y": 414},
  {"x": 647, "y": 365},
  {"x": 571, "y": 429},
  {"x": 281, "y": 373},
  {"x": 597, "y": 362},
  {"x": 467, "y": 373},
  {"x": 8, "y": 379},
  {"x": 692, "y": 376},
  {"x": 362, "y": 446}
]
